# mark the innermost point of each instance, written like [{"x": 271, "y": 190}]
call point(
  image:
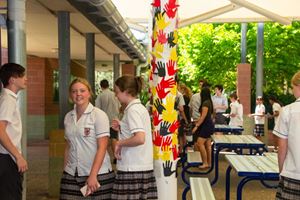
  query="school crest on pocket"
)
[{"x": 87, "y": 131}]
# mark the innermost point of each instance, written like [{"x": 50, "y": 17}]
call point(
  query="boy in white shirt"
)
[{"x": 13, "y": 164}]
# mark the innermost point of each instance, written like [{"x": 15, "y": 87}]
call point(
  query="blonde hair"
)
[
  {"x": 82, "y": 81},
  {"x": 185, "y": 90},
  {"x": 296, "y": 79}
]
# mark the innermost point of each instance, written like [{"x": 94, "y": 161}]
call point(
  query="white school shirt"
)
[
  {"x": 108, "y": 102},
  {"x": 195, "y": 105},
  {"x": 82, "y": 136},
  {"x": 276, "y": 107},
  {"x": 220, "y": 100},
  {"x": 138, "y": 158},
  {"x": 9, "y": 112},
  {"x": 288, "y": 127},
  {"x": 237, "y": 120},
  {"x": 259, "y": 109}
]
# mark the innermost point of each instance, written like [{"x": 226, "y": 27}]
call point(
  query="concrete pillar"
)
[
  {"x": 244, "y": 43},
  {"x": 116, "y": 66},
  {"x": 64, "y": 64},
  {"x": 90, "y": 59},
  {"x": 259, "y": 59},
  {"x": 163, "y": 69},
  {"x": 17, "y": 53}
]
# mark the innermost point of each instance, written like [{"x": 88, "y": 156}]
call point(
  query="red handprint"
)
[
  {"x": 156, "y": 3},
  {"x": 167, "y": 141},
  {"x": 161, "y": 91},
  {"x": 156, "y": 119},
  {"x": 174, "y": 126},
  {"x": 153, "y": 41},
  {"x": 157, "y": 139},
  {"x": 151, "y": 76},
  {"x": 175, "y": 152},
  {"x": 153, "y": 64},
  {"x": 162, "y": 38},
  {"x": 167, "y": 83},
  {"x": 171, "y": 67},
  {"x": 171, "y": 9}
]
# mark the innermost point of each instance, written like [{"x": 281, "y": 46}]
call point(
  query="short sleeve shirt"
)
[
  {"x": 259, "y": 109},
  {"x": 108, "y": 102},
  {"x": 194, "y": 105},
  {"x": 237, "y": 120},
  {"x": 220, "y": 100},
  {"x": 288, "y": 127},
  {"x": 10, "y": 113},
  {"x": 82, "y": 136},
  {"x": 136, "y": 119}
]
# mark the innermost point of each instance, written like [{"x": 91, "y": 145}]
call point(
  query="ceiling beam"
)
[
  {"x": 208, "y": 15},
  {"x": 262, "y": 11}
]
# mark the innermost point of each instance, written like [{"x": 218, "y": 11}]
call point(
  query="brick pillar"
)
[
  {"x": 128, "y": 69},
  {"x": 4, "y": 55},
  {"x": 244, "y": 86}
]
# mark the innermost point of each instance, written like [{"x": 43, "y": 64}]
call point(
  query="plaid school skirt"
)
[
  {"x": 70, "y": 187},
  {"x": 288, "y": 189},
  {"x": 137, "y": 185}
]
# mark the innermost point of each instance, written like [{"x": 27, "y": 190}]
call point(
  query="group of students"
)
[{"x": 87, "y": 129}]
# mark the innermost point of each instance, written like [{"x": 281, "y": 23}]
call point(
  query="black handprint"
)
[
  {"x": 168, "y": 168},
  {"x": 158, "y": 105},
  {"x": 161, "y": 69},
  {"x": 164, "y": 128},
  {"x": 157, "y": 11},
  {"x": 171, "y": 39}
]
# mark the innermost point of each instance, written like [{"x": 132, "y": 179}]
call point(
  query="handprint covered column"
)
[{"x": 164, "y": 89}]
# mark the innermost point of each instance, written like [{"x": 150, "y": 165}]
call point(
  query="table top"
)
[
  {"x": 236, "y": 139},
  {"x": 228, "y": 128},
  {"x": 255, "y": 165}
]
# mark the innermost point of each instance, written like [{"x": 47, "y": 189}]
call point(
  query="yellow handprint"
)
[
  {"x": 173, "y": 54},
  {"x": 158, "y": 50},
  {"x": 174, "y": 138},
  {"x": 156, "y": 152},
  {"x": 161, "y": 23},
  {"x": 166, "y": 153},
  {"x": 169, "y": 115},
  {"x": 173, "y": 90}
]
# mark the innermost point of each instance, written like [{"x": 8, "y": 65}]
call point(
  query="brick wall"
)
[
  {"x": 244, "y": 86},
  {"x": 128, "y": 69},
  {"x": 36, "y": 86}
]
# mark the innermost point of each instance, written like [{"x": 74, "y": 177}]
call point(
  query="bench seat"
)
[{"x": 201, "y": 189}]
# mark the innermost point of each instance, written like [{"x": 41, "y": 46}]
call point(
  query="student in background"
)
[
  {"x": 108, "y": 102},
  {"x": 220, "y": 105},
  {"x": 287, "y": 129},
  {"x": 134, "y": 150},
  {"x": 236, "y": 111},
  {"x": 259, "y": 118},
  {"x": 86, "y": 160},
  {"x": 12, "y": 162},
  {"x": 276, "y": 108}
]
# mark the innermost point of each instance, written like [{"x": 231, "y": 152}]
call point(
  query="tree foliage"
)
[{"x": 212, "y": 51}]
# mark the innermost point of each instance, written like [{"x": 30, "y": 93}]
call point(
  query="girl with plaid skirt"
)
[{"x": 135, "y": 178}]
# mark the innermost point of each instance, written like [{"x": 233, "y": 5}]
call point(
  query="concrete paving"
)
[{"x": 37, "y": 178}]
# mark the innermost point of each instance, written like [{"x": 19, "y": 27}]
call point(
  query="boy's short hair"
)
[
  {"x": 104, "y": 83},
  {"x": 9, "y": 70}
]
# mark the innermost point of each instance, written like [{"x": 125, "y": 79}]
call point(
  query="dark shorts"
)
[
  {"x": 10, "y": 179},
  {"x": 220, "y": 118},
  {"x": 113, "y": 134},
  {"x": 288, "y": 189},
  {"x": 205, "y": 130}
]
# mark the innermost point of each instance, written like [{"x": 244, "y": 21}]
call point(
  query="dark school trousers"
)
[{"x": 10, "y": 179}]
